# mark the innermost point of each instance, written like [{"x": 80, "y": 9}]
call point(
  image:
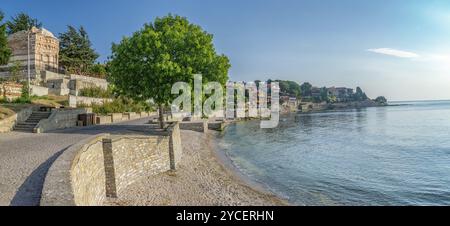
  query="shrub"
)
[
  {"x": 122, "y": 104},
  {"x": 96, "y": 92},
  {"x": 381, "y": 100}
]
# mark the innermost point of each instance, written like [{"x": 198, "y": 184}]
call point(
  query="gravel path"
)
[{"x": 26, "y": 157}]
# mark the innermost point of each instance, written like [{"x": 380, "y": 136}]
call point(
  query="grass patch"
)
[
  {"x": 96, "y": 92},
  {"x": 51, "y": 101}
]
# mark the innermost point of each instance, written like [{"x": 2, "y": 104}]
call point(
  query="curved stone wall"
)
[{"x": 102, "y": 166}]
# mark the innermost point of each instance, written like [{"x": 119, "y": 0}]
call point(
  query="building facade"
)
[
  {"x": 43, "y": 50},
  {"x": 342, "y": 94}
]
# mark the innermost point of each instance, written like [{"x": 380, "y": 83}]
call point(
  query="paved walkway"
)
[{"x": 26, "y": 157}]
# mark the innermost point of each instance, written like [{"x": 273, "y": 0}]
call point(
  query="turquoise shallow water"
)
[{"x": 398, "y": 155}]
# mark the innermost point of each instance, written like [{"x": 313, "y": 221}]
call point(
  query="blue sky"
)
[{"x": 396, "y": 48}]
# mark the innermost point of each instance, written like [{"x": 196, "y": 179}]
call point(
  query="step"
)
[
  {"x": 36, "y": 119},
  {"x": 24, "y": 130},
  {"x": 25, "y": 125},
  {"x": 33, "y": 120},
  {"x": 46, "y": 116},
  {"x": 39, "y": 116}
]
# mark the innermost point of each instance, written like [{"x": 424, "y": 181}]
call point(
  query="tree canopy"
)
[
  {"x": 97, "y": 70},
  {"x": 5, "y": 51},
  {"x": 381, "y": 100},
  {"x": 169, "y": 50},
  {"x": 289, "y": 88},
  {"x": 76, "y": 54},
  {"x": 20, "y": 22},
  {"x": 360, "y": 95},
  {"x": 306, "y": 89}
]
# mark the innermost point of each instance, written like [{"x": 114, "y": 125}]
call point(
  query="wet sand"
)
[{"x": 203, "y": 177}]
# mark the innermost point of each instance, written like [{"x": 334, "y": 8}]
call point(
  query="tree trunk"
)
[{"x": 161, "y": 117}]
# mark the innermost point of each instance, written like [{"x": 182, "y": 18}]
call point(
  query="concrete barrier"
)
[
  {"x": 116, "y": 117},
  {"x": 198, "y": 126},
  {"x": 103, "y": 119}
]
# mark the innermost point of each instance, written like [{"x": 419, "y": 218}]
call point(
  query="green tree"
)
[
  {"x": 324, "y": 94},
  {"x": 306, "y": 89},
  {"x": 21, "y": 22},
  {"x": 169, "y": 50},
  {"x": 76, "y": 54},
  {"x": 381, "y": 100},
  {"x": 289, "y": 88},
  {"x": 97, "y": 70},
  {"x": 360, "y": 95},
  {"x": 5, "y": 51}
]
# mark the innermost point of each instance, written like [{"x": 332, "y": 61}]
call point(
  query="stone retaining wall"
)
[
  {"x": 7, "y": 124},
  {"x": 116, "y": 117},
  {"x": 10, "y": 90},
  {"x": 102, "y": 166},
  {"x": 60, "y": 119},
  {"x": 81, "y": 81},
  {"x": 103, "y": 119},
  {"x": 38, "y": 91}
]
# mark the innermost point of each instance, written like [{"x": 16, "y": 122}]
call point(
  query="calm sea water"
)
[{"x": 398, "y": 155}]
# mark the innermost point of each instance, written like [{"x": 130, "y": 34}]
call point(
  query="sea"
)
[{"x": 394, "y": 155}]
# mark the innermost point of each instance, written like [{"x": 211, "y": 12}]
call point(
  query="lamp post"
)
[{"x": 28, "y": 63}]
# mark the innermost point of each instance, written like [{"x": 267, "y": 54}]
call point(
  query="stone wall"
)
[
  {"x": 39, "y": 90},
  {"x": 77, "y": 176},
  {"x": 103, "y": 166},
  {"x": 58, "y": 86},
  {"x": 79, "y": 82},
  {"x": 198, "y": 126},
  {"x": 60, "y": 119},
  {"x": 74, "y": 101},
  {"x": 49, "y": 75},
  {"x": 7, "y": 124},
  {"x": 10, "y": 90},
  {"x": 88, "y": 174},
  {"x": 116, "y": 117},
  {"x": 103, "y": 119},
  {"x": 216, "y": 125}
]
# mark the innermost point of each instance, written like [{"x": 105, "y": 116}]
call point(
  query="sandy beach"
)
[{"x": 202, "y": 178}]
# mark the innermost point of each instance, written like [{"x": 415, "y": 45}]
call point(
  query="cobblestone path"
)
[{"x": 26, "y": 157}]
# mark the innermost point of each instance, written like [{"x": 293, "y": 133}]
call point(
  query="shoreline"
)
[
  {"x": 229, "y": 166},
  {"x": 202, "y": 178}
]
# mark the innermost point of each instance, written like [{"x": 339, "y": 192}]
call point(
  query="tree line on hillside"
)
[
  {"x": 308, "y": 93},
  {"x": 76, "y": 52}
]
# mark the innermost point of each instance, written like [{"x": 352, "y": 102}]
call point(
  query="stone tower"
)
[{"x": 44, "y": 52}]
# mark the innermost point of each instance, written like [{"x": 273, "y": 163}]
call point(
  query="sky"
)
[{"x": 396, "y": 48}]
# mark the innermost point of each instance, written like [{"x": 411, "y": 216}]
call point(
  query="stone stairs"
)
[{"x": 32, "y": 121}]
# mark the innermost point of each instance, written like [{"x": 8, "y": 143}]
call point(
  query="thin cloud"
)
[{"x": 395, "y": 52}]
